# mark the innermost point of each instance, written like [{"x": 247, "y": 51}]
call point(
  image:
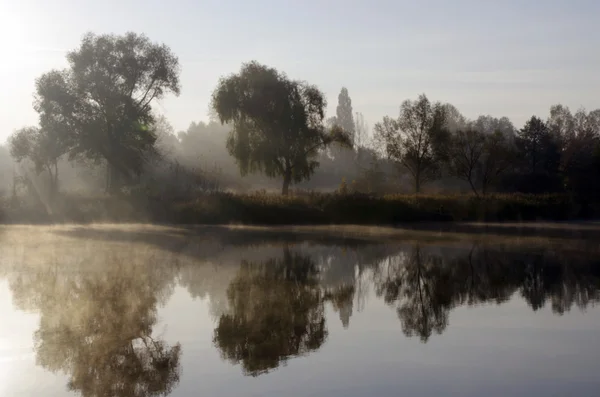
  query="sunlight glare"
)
[{"x": 13, "y": 35}]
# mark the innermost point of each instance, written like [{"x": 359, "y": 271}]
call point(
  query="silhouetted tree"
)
[
  {"x": 579, "y": 138},
  {"x": 539, "y": 155},
  {"x": 103, "y": 100},
  {"x": 466, "y": 150},
  {"x": 498, "y": 158},
  {"x": 278, "y": 123},
  {"x": 479, "y": 158},
  {"x": 416, "y": 140}
]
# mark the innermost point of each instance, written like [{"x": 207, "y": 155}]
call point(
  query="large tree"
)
[
  {"x": 277, "y": 123},
  {"x": 416, "y": 139},
  {"x": 103, "y": 100}
]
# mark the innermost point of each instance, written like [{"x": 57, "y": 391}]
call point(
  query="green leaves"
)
[
  {"x": 101, "y": 105},
  {"x": 278, "y": 123}
]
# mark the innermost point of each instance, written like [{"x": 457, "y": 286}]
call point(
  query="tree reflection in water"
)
[
  {"x": 96, "y": 324},
  {"x": 276, "y": 312},
  {"x": 426, "y": 286},
  {"x": 98, "y": 303}
]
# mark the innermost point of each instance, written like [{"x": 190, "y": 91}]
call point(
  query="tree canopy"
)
[
  {"x": 102, "y": 101},
  {"x": 277, "y": 123},
  {"x": 415, "y": 140}
]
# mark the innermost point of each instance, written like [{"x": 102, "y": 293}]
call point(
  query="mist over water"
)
[{"x": 147, "y": 311}]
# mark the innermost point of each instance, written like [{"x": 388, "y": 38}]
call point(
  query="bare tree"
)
[
  {"x": 466, "y": 150},
  {"x": 416, "y": 140}
]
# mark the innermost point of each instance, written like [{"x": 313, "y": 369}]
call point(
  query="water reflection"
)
[
  {"x": 269, "y": 296},
  {"x": 425, "y": 286},
  {"x": 96, "y": 324},
  {"x": 277, "y": 311}
]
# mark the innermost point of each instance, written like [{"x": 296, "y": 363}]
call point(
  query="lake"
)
[{"x": 110, "y": 310}]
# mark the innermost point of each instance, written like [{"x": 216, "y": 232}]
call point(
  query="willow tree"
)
[
  {"x": 102, "y": 101},
  {"x": 278, "y": 123}
]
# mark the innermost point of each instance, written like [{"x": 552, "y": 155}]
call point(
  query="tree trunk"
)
[
  {"x": 287, "y": 179},
  {"x": 473, "y": 187},
  {"x": 417, "y": 185}
]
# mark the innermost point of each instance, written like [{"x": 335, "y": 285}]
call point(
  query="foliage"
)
[
  {"x": 416, "y": 139},
  {"x": 539, "y": 159},
  {"x": 98, "y": 330},
  {"x": 277, "y": 123},
  {"x": 259, "y": 333},
  {"x": 42, "y": 147},
  {"x": 102, "y": 102},
  {"x": 478, "y": 158}
]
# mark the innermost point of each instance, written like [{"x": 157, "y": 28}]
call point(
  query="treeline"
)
[
  {"x": 97, "y": 126},
  {"x": 433, "y": 140}
]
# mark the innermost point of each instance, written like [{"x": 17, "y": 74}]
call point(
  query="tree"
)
[
  {"x": 479, "y": 158},
  {"x": 498, "y": 157},
  {"x": 416, "y": 139},
  {"x": 278, "y": 123},
  {"x": 465, "y": 153},
  {"x": 539, "y": 153},
  {"x": 344, "y": 113},
  {"x": 103, "y": 100},
  {"x": 489, "y": 125},
  {"x": 42, "y": 147},
  {"x": 579, "y": 137}
]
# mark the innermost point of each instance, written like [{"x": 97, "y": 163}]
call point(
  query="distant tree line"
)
[{"x": 99, "y": 111}]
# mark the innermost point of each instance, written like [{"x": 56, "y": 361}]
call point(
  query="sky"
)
[{"x": 504, "y": 58}]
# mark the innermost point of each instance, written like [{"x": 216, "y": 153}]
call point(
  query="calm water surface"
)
[{"x": 156, "y": 311}]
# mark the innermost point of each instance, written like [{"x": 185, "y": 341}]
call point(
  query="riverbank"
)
[{"x": 311, "y": 209}]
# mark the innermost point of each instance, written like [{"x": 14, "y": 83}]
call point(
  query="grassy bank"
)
[{"x": 268, "y": 209}]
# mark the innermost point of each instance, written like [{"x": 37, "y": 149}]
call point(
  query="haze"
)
[{"x": 514, "y": 58}]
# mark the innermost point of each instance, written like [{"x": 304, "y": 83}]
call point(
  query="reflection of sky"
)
[{"x": 488, "y": 350}]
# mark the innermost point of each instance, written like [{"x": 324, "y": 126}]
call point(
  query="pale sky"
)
[{"x": 504, "y": 58}]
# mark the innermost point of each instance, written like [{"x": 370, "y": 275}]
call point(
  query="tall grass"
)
[
  {"x": 312, "y": 208},
  {"x": 369, "y": 210}
]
